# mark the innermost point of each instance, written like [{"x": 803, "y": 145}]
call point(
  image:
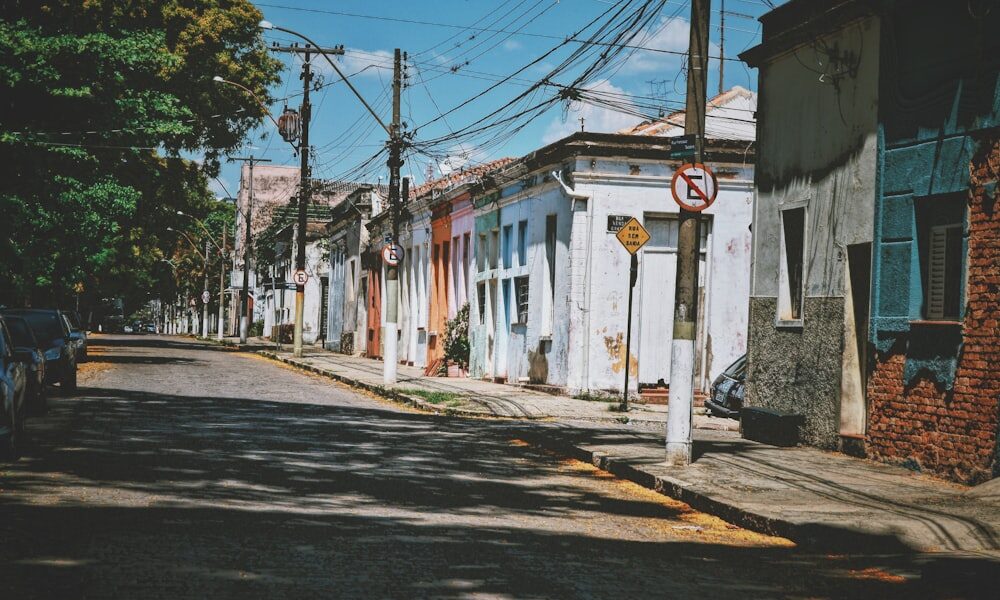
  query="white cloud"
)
[
  {"x": 668, "y": 34},
  {"x": 364, "y": 62},
  {"x": 595, "y": 118},
  {"x": 221, "y": 187},
  {"x": 511, "y": 45}
]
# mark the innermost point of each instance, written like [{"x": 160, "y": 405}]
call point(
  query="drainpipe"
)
[{"x": 557, "y": 175}]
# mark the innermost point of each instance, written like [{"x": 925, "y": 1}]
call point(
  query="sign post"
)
[{"x": 633, "y": 236}]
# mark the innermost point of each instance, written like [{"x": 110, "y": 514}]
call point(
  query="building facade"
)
[
  {"x": 874, "y": 301},
  {"x": 551, "y": 280}
]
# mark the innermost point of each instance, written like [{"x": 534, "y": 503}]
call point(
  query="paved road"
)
[{"x": 182, "y": 470}]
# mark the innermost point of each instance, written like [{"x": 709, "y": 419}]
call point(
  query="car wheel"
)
[{"x": 68, "y": 384}]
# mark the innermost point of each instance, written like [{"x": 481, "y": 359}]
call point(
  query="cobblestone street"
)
[{"x": 183, "y": 470}]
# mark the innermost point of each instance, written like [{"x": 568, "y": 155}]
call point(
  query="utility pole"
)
[
  {"x": 304, "y": 178},
  {"x": 680, "y": 406},
  {"x": 204, "y": 297},
  {"x": 722, "y": 46},
  {"x": 222, "y": 284},
  {"x": 391, "y": 338},
  {"x": 244, "y": 308}
]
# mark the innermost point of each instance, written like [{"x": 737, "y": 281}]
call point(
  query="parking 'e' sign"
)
[
  {"x": 694, "y": 187},
  {"x": 633, "y": 236}
]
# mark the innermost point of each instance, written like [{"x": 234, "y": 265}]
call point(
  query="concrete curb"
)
[
  {"x": 808, "y": 534},
  {"x": 381, "y": 390}
]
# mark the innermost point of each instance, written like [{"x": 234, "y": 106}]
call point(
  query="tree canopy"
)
[{"x": 101, "y": 99}]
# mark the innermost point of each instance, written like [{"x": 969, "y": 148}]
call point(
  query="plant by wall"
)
[{"x": 456, "y": 339}]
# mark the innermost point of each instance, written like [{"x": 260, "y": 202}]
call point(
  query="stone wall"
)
[
  {"x": 799, "y": 369},
  {"x": 924, "y": 425}
]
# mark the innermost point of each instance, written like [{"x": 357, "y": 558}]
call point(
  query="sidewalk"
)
[
  {"x": 472, "y": 397},
  {"x": 808, "y": 495}
]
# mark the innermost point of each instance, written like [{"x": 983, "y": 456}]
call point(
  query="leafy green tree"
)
[{"x": 98, "y": 101}]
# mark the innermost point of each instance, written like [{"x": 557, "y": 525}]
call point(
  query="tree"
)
[{"x": 98, "y": 101}]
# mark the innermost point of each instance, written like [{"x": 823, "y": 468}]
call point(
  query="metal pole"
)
[
  {"x": 680, "y": 404},
  {"x": 245, "y": 292},
  {"x": 222, "y": 286},
  {"x": 391, "y": 338},
  {"x": 304, "y": 194},
  {"x": 204, "y": 297},
  {"x": 632, "y": 276}
]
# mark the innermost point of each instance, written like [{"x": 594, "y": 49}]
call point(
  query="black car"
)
[
  {"x": 726, "y": 397},
  {"x": 53, "y": 335},
  {"x": 12, "y": 394},
  {"x": 26, "y": 347},
  {"x": 78, "y": 333}
]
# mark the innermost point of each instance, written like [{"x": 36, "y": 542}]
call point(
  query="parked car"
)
[
  {"x": 726, "y": 397},
  {"x": 78, "y": 334},
  {"x": 53, "y": 335},
  {"x": 26, "y": 346},
  {"x": 12, "y": 392}
]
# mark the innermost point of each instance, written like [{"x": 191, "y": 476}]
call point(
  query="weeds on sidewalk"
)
[{"x": 447, "y": 398}]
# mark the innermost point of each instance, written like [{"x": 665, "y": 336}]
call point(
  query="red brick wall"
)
[{"x": 954, "y": 433}]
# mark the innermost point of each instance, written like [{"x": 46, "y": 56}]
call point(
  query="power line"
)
[{"x": 483, "y": 29}]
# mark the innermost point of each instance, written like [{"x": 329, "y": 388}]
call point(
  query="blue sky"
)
[{"x": 459, "y": 48}]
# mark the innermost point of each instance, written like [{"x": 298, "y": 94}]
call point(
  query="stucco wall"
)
[{"x": 818, "y": 149}]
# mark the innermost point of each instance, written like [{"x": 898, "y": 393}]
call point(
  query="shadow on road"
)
[{"x": 240, "y": 496}]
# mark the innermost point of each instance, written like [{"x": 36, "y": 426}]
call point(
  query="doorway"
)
[{"x": 854, "y": 369}]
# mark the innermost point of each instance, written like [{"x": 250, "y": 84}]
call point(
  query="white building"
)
[{"x": 551, "y": 280}]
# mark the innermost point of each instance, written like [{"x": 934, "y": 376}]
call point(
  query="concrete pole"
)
[
  {"x": 681, "y": 402},
  {"x": 390, "y": 340},
  {"x": 222, "y": 286},
  {"x": 304, "y": 195},
  {"x": 204, "y": 296}
]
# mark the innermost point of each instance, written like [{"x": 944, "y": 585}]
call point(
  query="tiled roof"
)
[
  {"x": 721, "y": 118},
  {"x": 458, "y": 178}
]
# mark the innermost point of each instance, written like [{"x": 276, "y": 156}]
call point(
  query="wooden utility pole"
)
[
  {"x": 244, "y": 307},
  {"x": 391, "y": 337},
  {"x": 680, "y": 407}
]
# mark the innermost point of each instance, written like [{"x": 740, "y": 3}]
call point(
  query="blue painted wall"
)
[{"x": 933, "y": 100}]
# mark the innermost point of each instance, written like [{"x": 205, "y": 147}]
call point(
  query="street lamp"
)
[{"x": 290, "y": 122}]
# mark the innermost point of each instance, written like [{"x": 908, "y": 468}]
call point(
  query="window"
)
[
  {"x": 521, "y": 297},
  {"x": 522, "y": 243},
  {"x": 791, "y": 269},
  {"x": 482, "y": 253},
  {"x": 508, "y": 250},
  {"x": 494, "y": 248},
  {"x": 481, "y": 293},
  {"x": 466, "y": 253},
  {"x": 466, "y": 240},
  {"x": 443, "y": 266},
  {"x": 455, "y": 274},
  {"x": 549, "y": 297},
  {"x": 943, "y": 297}
]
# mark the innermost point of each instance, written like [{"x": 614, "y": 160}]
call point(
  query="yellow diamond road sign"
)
[{"x": 633, "y": 236}]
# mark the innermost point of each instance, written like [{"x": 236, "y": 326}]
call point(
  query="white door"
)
[{"x": 658, "y": 271}]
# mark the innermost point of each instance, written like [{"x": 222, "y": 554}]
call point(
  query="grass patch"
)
[{"x": 448, "y": 398}]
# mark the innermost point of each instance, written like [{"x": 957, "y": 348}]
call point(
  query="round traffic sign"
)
[
  {"x": 300, "y": 277},
  {"x": 694, "y": 187},
  {"x": 392, "y": 254}
]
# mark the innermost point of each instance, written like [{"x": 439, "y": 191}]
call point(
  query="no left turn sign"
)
[{"x": 694, "y": 187}]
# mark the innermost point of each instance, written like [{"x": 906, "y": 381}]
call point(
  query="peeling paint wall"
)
[
  {"x": 818, "y": 151},
  {"x": 575, "y": 338}
]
